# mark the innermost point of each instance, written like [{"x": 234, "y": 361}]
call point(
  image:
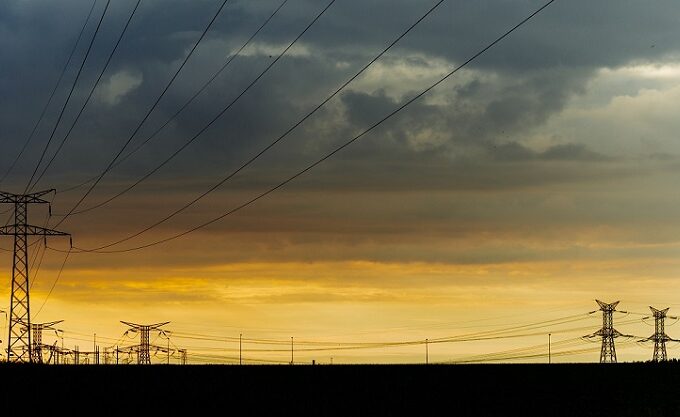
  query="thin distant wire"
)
[
  {"x": 49, "y": 100},
  {"x": 496, "y": 333},
  {"x": 272, "y": 144},
  {"x": 327, "y": 156},
  {"x": 181, "y": 109},
  {"x": 148, "y": 113},
  {"x": 373, "y": 331},
  {"x": 54, "y": 284},
  {"x": 34, "y": 276},
  {"x": 12, "y": 250},
  {"x": 63, "y": 108},
  {"x": 89, "y": 96}
]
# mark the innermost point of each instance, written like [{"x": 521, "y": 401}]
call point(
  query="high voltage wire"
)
[
  {"x": 335, "y": 346},
  {"x": 490, "y": 356},
  {"x": 272, "y": 144},
  {"x": 148, "y": 113},
  {"x": 500, "y": 333},
  {"x": 318, "y": 16},
  {"x": 183, "y": 107},
  {"x": 30, "y": 245},
  {"x": 319, "y": 161},
  {"x": 51, "y": 96},
  {"x": 89, "y": 96},
  {"x": 340, "y": 345},
  {"x": 468, "y": 324},
  {"x": 68, "y": 98},
  {"x": 108, "y": 61},
  {"x": 567, "y": 347},
  {"x": 34, "y": 275},
  {"x": 501, "y": 356},
  {"x": 159, "y": 98},
  {"x": 526, "y": 356},
  {"x": 54, "y": 283}
]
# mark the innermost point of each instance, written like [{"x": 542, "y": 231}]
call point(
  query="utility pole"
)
[
  {"x": 427, "y": 352},
  {"x": 19, "y": 344},
  {"x": 143, "y": 356},
  {"x": 240, "y": 349},
  {"x": 659, "y": 337},
  {"x": 36, "y": 330},
  {"x": 291, "y": 351},
  {"x": 549, "y": 349}
]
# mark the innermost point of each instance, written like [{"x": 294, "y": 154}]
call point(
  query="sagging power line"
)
[{"x": 394, "y": 112}]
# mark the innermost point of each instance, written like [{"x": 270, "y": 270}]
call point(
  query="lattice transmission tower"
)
[
  {"x": 608, "y": 333},
  {"x": 19, "y": 346},
  {"x": 37, "y": 331},
  {"x": 143, "y": 349},
  {"x": 659, "y": 337}
]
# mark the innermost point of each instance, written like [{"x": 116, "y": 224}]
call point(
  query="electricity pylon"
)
[
  {"x": 36, "y": 330},
  {"x": 143, "y": 355},
  {"x": 608, "y": 333},
  {"x": 19, "y": 340},
  {"x": 659, "y": 337}
]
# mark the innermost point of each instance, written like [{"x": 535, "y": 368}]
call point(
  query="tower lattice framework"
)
[
  {"x": 37, "y": 332},
  {"x": 19, "y": 344},
  {"x": 608, "y": 333},
  {"x": 143, "y": 349},
  {"x": 659, "y": 337}
]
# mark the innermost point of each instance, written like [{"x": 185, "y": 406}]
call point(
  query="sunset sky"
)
[{"x": 539, "y": 178}]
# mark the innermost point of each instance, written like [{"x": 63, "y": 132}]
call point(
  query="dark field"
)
[{"x": 342, "y": 390}]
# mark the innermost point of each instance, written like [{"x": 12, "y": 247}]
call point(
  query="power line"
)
[
  {"x": 120, "y": 37},
  {"x": 54, "y": 284},
  {"x": 51, "y": 96},
  {"x": 148, "y": 113},
  {"x": 89, "y": 96},
  {"x": 272, "y": 144},
  {"x": 184, "y": 106},
  {"x": 508, "y": 332},
  {"x": 321, "y": 160},
  {"x": 207, "y": 126},
  {"x": 63, "y": 108}
]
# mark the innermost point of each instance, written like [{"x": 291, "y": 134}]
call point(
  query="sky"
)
[{"x": 530, "y": 183}]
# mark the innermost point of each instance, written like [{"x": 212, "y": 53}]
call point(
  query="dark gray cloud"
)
[{"x": 476, "y": 121}]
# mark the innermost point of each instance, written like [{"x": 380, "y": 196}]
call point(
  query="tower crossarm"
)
[
  {"x": 658, "y": 338},
  {"x": 33, "y": 198},
  {"x": 149, "y": 326},
  {"x": 14, "y": 229},
  {"x": 612, "y": 333},
  {"x": 607, "y": 306}
]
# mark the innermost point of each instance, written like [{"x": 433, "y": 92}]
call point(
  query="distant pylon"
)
[
  {"x": 19, "y": 344},
  {"x": 143, "y": 355},
  {"x": 36, "y": 330},
  {"x": 659, "y": 337},
  {"x": 607, "y": 332}
]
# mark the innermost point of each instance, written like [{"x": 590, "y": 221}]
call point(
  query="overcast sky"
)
[{"x": 540, "y": 177}]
